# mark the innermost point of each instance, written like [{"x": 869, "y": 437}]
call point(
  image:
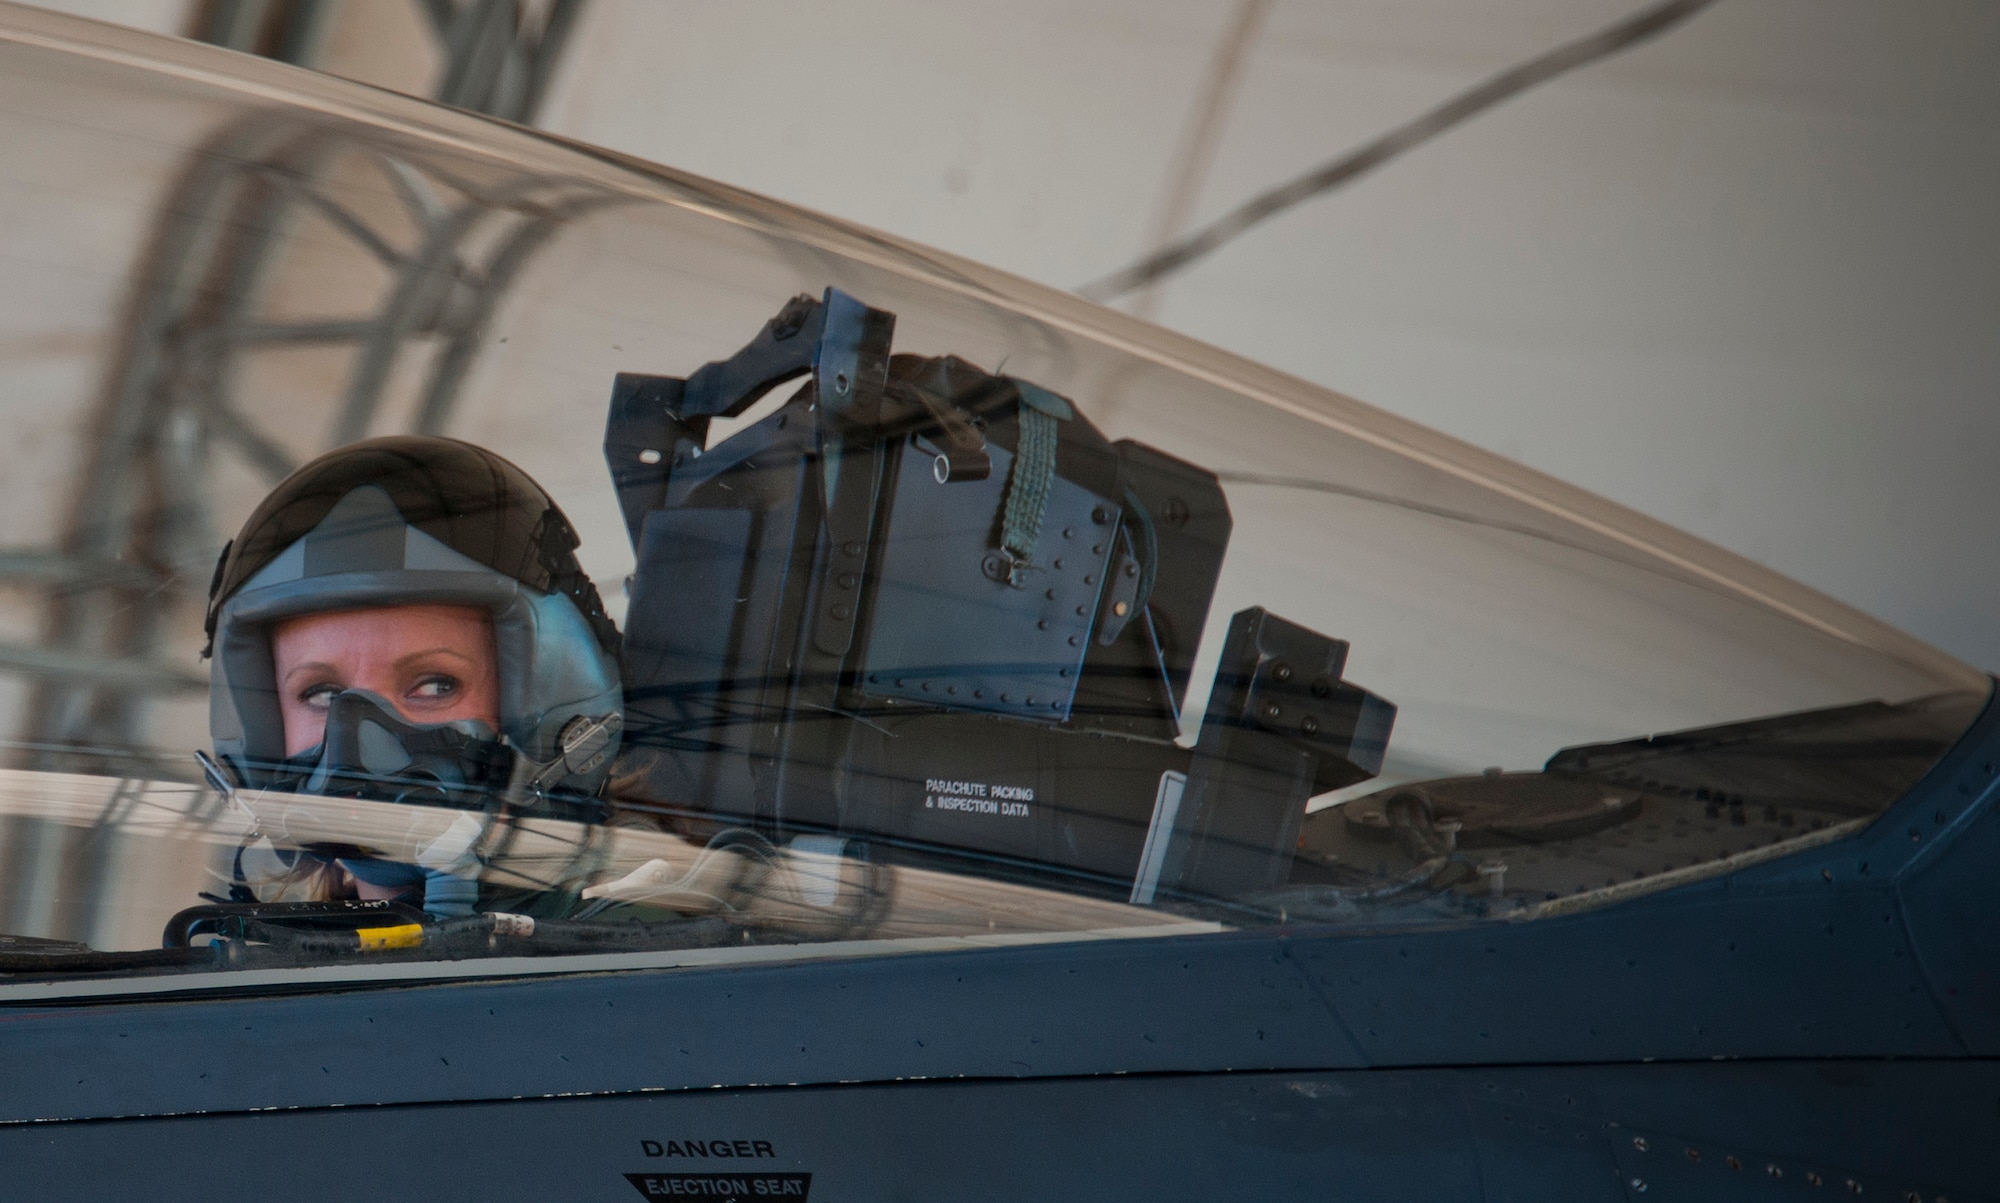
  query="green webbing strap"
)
[
  {"x": 1028, "y": 485},
  {"x": 1034, "y": 469}
]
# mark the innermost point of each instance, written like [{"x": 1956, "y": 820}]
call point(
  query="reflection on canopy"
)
[{"x": 222, "y": 268}]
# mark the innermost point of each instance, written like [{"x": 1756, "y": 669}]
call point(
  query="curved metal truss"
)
[
  {"x": 497, "y": 56},
  {"x": 141, "y": 542}
]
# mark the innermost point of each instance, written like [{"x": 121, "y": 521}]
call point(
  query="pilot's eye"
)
[
  {"x": 320, "y": 696},
  {"x": 436, "y": 687}
]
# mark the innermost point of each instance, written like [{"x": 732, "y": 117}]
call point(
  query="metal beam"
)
[{"x": 130, "y": 673}]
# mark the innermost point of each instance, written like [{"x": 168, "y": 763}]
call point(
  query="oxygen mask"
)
[{"x": 370, "y": 751}]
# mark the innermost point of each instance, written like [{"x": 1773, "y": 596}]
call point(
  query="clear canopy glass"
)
[{"x": 1086, "y": 631}]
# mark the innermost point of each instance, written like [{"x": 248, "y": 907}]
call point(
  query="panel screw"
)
[
  {"x": 1638, "y": 1185},
  {"x": 842, "y": 611},
  {"x": 1638, "y": 1142},
  {"x": 846, "y": 580},
  {"x": 1100, "y": 515},
  {"x": 1281, "y": 671},
  {"x": 1309, "y": 725},
  {"x": 993, "y": 566},
  {"x": 850, "y": 548}
]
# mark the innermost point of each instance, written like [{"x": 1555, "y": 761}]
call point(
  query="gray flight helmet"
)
[{"x": 415, "y": 520}]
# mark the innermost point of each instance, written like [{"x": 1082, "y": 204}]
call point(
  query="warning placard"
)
[{"x": 720, "y": 1188}]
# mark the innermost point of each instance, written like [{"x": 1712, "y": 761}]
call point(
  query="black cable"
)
[{"x": 1174, "y": 256}]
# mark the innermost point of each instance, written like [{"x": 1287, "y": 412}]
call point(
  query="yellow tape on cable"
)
[{"x": 379, "y": 939}]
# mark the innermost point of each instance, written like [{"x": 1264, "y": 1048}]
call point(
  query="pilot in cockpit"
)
[
  {"x": 844, "y": 593},
  {"x": 405, "y": 619}
]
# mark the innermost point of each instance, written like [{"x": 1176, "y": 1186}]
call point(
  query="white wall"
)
[{"x": 156, "y": 16}]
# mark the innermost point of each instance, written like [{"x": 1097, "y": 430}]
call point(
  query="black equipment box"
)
[{"x": 937, "y": 610}]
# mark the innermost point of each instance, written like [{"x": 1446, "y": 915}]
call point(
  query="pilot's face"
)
[{"x": 433, "y": 664}]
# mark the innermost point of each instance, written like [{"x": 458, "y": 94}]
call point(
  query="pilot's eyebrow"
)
[
  {"x": 312, "y": 666},
  {"x": 454, "y": 653}
]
